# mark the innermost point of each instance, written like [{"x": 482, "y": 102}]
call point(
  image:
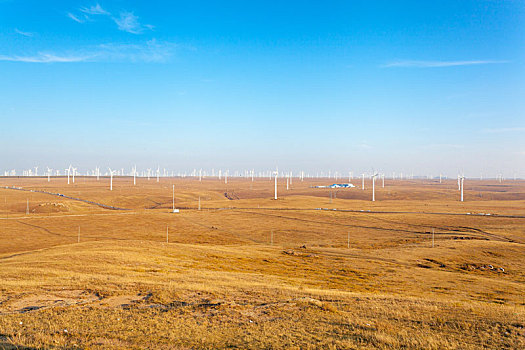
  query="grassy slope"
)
[{"x": 220, "y": 284}]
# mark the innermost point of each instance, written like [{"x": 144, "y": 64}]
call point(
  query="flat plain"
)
[{"x": 317, "y": 268}]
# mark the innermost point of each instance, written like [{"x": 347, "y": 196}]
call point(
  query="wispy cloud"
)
[
  {"x": 503, "y": 130},
  {"x": 94, "y": 10},
  {"x": 150, "y": 52},
  {"x": 128, "y": 22},
  {"x": 438, "y": 64},
  {"x": 44, "y": 58},
  {"x": 28, "y": 34},
  {"x": 76, "y": 18}
]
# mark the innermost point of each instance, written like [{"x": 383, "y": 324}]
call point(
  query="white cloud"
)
[
  {"x": 28, "y": 34},
  {"x": 439, "y": 64},
  {"x": 75, "y": 18},
  {"x": 44, "y": 58},
  {"x": 94, "y": 10},
  {"x": 149, "y": 51},
  {"x": 128, "y": 22}
]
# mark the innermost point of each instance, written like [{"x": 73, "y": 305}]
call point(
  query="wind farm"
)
[
  {"x": 262, "y": 175},
  {"x": 250, "y": 255}
]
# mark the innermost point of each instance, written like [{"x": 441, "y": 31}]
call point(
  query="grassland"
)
[{"x": 247, "y": 271}]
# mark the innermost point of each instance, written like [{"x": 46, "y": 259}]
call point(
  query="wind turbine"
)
[
  {"x": 111, "y": 172},
  {"x": 462, "y": 179},
  {"x": 374, "y": 187},
  {"x": 74, "y": 171},
  {"x": 68, "y": 171},
  {"x": 158, "y": 173},
  {"x": 363, "y": 182},
  {"x": 276, "y": 174},
  {"x": 36, "y": 171},
  {"x": 49, "y": 171}
]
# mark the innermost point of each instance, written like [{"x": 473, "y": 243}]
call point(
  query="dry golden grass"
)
[{"x": 331, "y": 279}]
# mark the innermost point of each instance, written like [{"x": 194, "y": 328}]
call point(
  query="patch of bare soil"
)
[
  {"x": 51, "y": 299},
  {"x": 123, "y": 301},
  {"x": 50, "y": 208}
]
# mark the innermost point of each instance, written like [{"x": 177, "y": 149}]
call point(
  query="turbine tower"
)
[
  {"x": 374, "y": 187},
  {"x": 68, "y": 171},
  {"x": 111, "y": 179},
  {"x": 462, "y": 180},
  {"x": 49, "y": 171},
  {"x": 276, "y": 174}
]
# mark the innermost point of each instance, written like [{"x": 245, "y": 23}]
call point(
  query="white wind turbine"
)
[
  {"x": 68, "y": 172},
  {"x": 374, "y": 187},
  {"x": 74, "y": 171},
  {"x": 363, "y": 181},
  {"x": 158, "y": 173},
  {"x": 462, "y": 177},
  {"x": 111, "y": 172},
  {"x": 134, "y": 170},
  {"x": 49, "y": 171},
  {"x": 276, "y": 174}
]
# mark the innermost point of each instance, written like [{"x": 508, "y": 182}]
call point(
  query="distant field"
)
[{"x": 416, "y": 269}]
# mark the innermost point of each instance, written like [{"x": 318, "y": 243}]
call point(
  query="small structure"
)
[{"x": 348, "y": 185}]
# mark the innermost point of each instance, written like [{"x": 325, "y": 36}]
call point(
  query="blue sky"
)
[{"x": 406, "y": 86}]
